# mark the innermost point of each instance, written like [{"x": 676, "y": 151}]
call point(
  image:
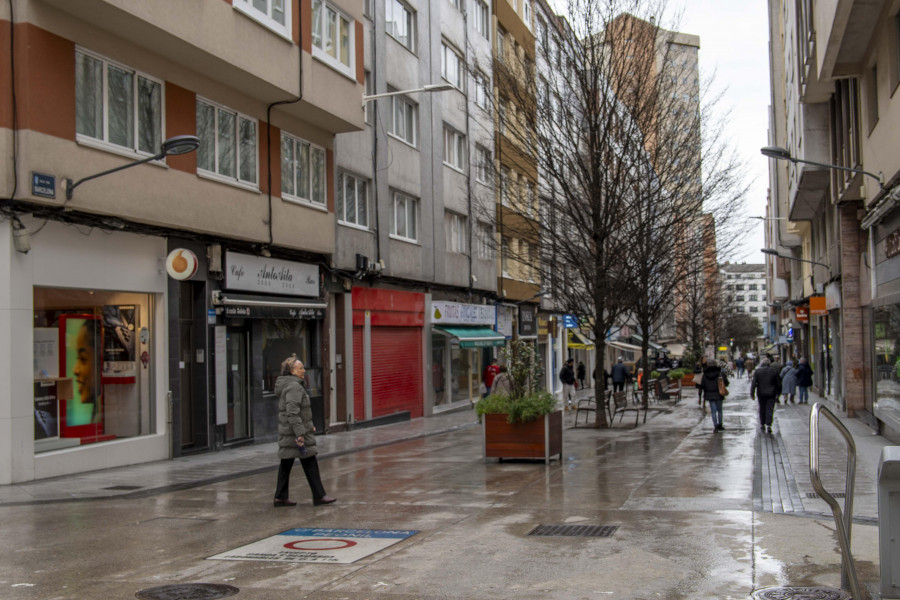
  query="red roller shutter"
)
[
  {"x": 397, "y": 371},
  {"x": 359, "y": 401}
]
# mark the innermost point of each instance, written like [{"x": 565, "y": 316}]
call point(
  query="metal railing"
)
[{"x": 843, "y": 520}]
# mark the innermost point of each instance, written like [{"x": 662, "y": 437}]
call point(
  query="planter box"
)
[{"x": 541, "y": 438}]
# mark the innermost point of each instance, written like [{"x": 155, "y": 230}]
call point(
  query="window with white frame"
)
[
  {"x": 482, "y": 90},
  {"x": 332, "y": 37},
  {"x": 228, "y": 146},
  {"x": 452, "y": 66},
  {"x": 505, "y": 182},
  {"x": 400, "y": 23},
  {"x": 454, "y": 148},
  {"x": 455, "y": 232},
  {"x": 501, "y": 44},
  {"x": 483, "y": 19},
  {"x": 404, "y": 123},
  {"x": 302, "y": 170},
  {"x": 274, "y": 14},
  {"x": 484, "y": 164},
  {"x": 526, "y": 12},
  {"x": 485, "y": 240},
  {"x": 116, "y": 105},
  {"x": 353, "y": 200},
  {"x": 530, "y": 199},
  {"x": 504, "y": 256},
  {"x": 404, "y": 217}
]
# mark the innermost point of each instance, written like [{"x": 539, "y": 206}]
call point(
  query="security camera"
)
[{"x": 21, "y": 237}]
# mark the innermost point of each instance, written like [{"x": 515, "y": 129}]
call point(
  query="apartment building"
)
[
  {"x": 148, "y": 300},
  {"x": 745, "y": 285},
  {"x": 834, "y": 70}
]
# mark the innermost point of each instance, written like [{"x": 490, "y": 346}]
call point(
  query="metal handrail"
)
[{"x": 842, "y": 520}]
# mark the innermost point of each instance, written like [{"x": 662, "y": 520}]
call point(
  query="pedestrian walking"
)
[
  {"x": 698, "y": 379},
  {"x": 296, "y": 437},
  {"x": 709, "y": 389},
  {"x": 740, "y": 367},
  {"x": 776, "y": 364},
  {"x": 490, "y": 372},
  {"x": 567, "y": 377},
  {"x": 582, "y": 371},
  {"x": 804, "y": 381},
  {"x": 749, "y": 365},
  {"x": 620, "y": 374},
  {"x": 789, "y": 381},
  {"x": 765, "y": 386},
  {"x": 502, "y": 382}
]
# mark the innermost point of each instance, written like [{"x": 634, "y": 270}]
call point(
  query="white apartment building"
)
[{"x": 746, "y": 284}]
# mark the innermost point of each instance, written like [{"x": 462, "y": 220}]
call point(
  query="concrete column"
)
[
  {"x": 16, "y": 358},
  {"x": 851, "y": 243}
]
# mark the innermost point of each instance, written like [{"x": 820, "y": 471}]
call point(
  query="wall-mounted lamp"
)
[
  {"x": 437, "y": 87},
  {"x": 179, "y": 144},
  {"x": 779, "y": 153},
  {"x": 774, "y": 252}
]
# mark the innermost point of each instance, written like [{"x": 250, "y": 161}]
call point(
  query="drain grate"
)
[
  {"x": 123, "y": 488},
  {"x": 814, "y": 495},
  {"x": 574, "y": 530},
  {"x": 800, "y": 593},
  {"x": 188, "y": 591}
]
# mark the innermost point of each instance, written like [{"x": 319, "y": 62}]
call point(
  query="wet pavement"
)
[{"x": 698, "y": 515}]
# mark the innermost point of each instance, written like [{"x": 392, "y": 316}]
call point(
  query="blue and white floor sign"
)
[{"x": 314, "y": 545}]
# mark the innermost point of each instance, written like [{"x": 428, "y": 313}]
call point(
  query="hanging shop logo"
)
[
  {"x": 271, "y": 275},
  {"x": 181, "y": 264},
  {"x": 527, "y": 320},
  {"x": 803, "y": 314}
]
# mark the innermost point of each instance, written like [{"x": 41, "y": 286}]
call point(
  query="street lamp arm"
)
[
  {"x": 70, "y": 187},
  {"x": 441, "y": 87},
  {"x": 779, "y": 153},
  {"x": 775, "y": 253}
]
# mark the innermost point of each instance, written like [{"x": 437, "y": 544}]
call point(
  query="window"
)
[
  {"x": 751, "y": 287},
  {"x": 332, "y": 37},
  {"x": 452, "y": 66},
  {"x": 405, "y": 120},
  {"x": 739, "y": 287},
  {"x": 455, "y": 232},
  {"x": 485, "y": 238},
  {"x": 274, "y": 14},
  {"x": 504, "y": 186},
  {"x": 227, "y": 143},
  {"x": 872, "y": 97},
  {"x": 740, "y": 309},
  {"x": 526, "y": 12},
  {"x": 117, "y": 106},
  {"x": 404, "y": 211},
  {"x": 738, "y": 298},
  {"x": 454, "y": 148},
  {"x": 483, "y": 19},
  {"x": 400, "y": 23},
  {"x": 482, "y": 90},
  {"x": 504, "y": 257},
  {"x": 754, "y": 297},
  {"x": 456, "y": 4},
  {"x": 754, "y": 309},
  {"x": 302, "y": 170},
  {"x": 501, "y": 44},
  {"x": 762, "y": 287},
  {"x": 353, "y": 200},
  {"x": 530, "y": 198},
  {"x": 484, "y": 165}
]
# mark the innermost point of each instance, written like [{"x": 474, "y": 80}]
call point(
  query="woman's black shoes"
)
[
  {"x": 323, "y": 500},
  {"x": 279, "y": 503}
]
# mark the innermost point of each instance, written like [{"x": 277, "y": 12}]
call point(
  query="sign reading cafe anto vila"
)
[{"x": 270, "y": 275}]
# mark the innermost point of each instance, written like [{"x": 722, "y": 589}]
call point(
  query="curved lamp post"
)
[
  {"x": 779, "y": 153},
  {"x": 179, "y": 144},
  {"x": 777, "y": 254}
]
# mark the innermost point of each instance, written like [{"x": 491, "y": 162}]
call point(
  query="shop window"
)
[
  {"x": 886, "y": 367},
  {"x": 92, "y": 374}
]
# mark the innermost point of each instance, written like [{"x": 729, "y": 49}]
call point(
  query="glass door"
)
[{"x": 238, "y": 361}]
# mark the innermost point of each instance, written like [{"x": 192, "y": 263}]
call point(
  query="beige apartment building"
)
[
  {"x": 835, "y": 224},
  {"x": 144, "y": 313}
]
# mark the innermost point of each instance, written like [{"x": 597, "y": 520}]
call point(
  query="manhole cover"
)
[
  {"x": 800, "y": 593},
  {"x": 188, "y": 591},
  {"x": 574, "y": 530}
]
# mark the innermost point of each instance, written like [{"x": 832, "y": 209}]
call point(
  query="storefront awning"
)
[
  {"x": 578, "y": 341},
  {"x": 473, "y": 337},
  {"x": 624, "y": 346},
  {"x": 247, "y": 306},
  {"x": 653, "y": 345}
]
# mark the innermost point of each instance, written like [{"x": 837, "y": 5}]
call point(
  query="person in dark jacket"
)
[
  {"x": 620, "y": 374},
  {"x": 296, "y": 437},
  {"x": 698, "y": 370},
  {"x": 765, "y": 386},
  {"x": 709, "y": 388},
  {"x": 581, "y": 371},
  {"x": 804, "y": 381},
  {"x": 567, "y": 377}
]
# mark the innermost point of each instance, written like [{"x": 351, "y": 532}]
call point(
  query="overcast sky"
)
[{"x": 734, "y": 40}]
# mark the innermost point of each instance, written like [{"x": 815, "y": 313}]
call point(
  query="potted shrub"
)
[{"x": 520, "y": 421}]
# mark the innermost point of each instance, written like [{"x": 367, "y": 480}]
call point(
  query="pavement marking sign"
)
[{"x": 317, "y": 545}]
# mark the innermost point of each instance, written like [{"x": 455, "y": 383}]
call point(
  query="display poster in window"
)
[
  {"x": 119, "y": 359},
  {"x": 46, "y": 410},
  {"x": 46, "y": 352},
  {"x": 82, "y": 337}
]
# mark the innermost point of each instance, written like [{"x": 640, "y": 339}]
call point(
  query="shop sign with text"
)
[
  {"x": 458, "y": 313},
  {"x": 803, "y": 314},
  {"x": 527, "y": 320},
  {"x": 271, "y": 275}
]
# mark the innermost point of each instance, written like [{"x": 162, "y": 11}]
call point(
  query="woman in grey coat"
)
[
  {"x": 789, "y": 381},
  {"x": 296, "y": 437}
]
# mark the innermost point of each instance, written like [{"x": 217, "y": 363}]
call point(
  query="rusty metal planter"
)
[{"x": 541, "y": 438}]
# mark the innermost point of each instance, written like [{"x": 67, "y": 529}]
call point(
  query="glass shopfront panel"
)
[
  {"x": 92, "y": 371},
  {"x": 886, "y": 363}
]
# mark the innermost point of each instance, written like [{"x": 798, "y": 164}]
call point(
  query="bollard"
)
[{"x": 889, "y": 521}]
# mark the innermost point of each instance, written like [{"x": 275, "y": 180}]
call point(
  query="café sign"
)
[
  {"x": 458, "y": 313},
  {"x": 271, "y": 275}
]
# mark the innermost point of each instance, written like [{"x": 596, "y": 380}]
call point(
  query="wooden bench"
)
[{"x": 620, "y": 406}]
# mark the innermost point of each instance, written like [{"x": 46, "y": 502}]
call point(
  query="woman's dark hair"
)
[{"x": 288, "y": 365}]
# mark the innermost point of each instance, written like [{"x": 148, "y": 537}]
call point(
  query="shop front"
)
[
  {"x": 267, "y": 310},
  {"x": 463, "y": 342},
  {"x": 93, "y": 387}
]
